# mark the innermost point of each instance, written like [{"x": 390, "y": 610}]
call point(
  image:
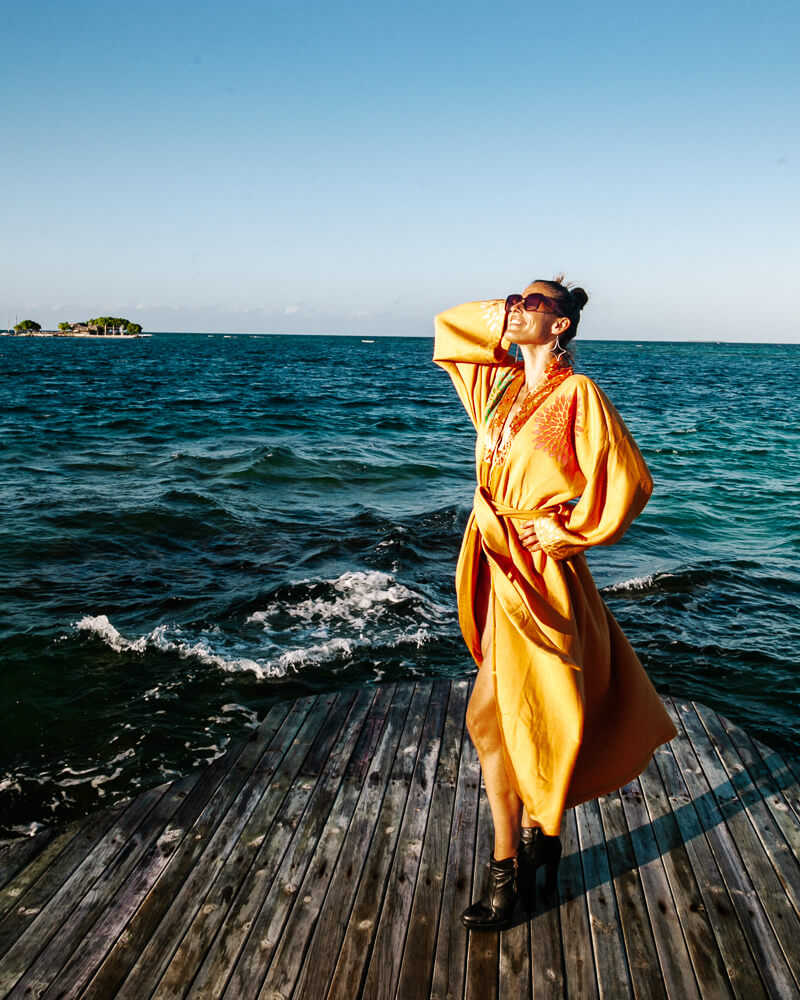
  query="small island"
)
[{"x": 101, "y": 326}]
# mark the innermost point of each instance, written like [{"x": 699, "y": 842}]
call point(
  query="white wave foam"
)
[
  {"x": 349, "y": 613},
  {"x": 293, "y": 659},
  {"x": 158, "y": 639},
  {"x": 363, "y": 596},
  {"x": 420, "y": 637},
  {"x": 10, "y": 784},
  {"x": 638, "y": 582},
  {"x": 103, "y": 629}
]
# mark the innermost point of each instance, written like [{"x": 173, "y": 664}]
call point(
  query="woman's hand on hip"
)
[{"x": 528, "y": 537}]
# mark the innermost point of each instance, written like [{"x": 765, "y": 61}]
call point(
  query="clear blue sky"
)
[{"x": 353, "y": 168}]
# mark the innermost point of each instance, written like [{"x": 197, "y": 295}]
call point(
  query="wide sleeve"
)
[
  {"x": 470, "y": 346},
  {"x": 618, "y": 482}
]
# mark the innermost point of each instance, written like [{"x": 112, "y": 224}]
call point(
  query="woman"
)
[{"x": 562, "y": 711}]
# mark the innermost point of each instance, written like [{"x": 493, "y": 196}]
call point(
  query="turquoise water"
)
[{"x": 196, "y": 526}]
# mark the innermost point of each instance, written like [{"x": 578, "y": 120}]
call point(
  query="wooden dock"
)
[{"x": 330, "y": 855}]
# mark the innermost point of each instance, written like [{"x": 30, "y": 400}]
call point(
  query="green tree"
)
[
  {"x": 115, "y": 323},
  {"x": 27, "y": 324},
  {"x": 65, "y": 326},
  {"x": 112, "y": 322}
]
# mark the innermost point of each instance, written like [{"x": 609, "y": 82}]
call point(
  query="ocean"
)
[{"x": 195, "y": 526}]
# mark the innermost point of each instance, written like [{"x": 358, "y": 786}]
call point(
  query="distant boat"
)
[{"x": 367, "y": 341}]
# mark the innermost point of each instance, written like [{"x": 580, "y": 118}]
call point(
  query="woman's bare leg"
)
[{"x": 484, "y": 730}]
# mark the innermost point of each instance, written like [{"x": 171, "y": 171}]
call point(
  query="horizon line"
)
[{"x": 408, "y": 336}]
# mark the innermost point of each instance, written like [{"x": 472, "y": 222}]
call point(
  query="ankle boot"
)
[
  {"x": 494, "y": 912},
  {"x": 538, "y": 849}
]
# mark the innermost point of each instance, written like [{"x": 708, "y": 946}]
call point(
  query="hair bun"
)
[{"x": 580, "y": 297}]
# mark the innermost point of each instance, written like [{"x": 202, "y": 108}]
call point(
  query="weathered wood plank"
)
[
  {"x": 782, "y": 774},
  {"x": 30, "y": 890},
  {"x": 416, "y": 970},
  {"x": 613, "y": 979},
  {"x": 31, "y": 857},
  {"x": 336, "y": 738},
  {"x": 387, "y": 950},
  {"x": 449, "y": 968},
  {"x": 286, "y": 964},
  {"x": 158, "y": 838},
  {"x": 150, "y": 894},
  {"x": 780, "y": 841},
  {"x": 640, "y": 946},
  {"x": 575, "y": 933},
  {"x": 82, "y": 939},
  {"x": 673, "y": 954},
  {"x": 739, "y": 964},
  {"x": 284, "y": 894},
  {"x": 250, "y": 797},
  {"x": 16, "y": 855},
  {"x": 764, "y": 946},
  {"x": 777, "y": 906},
  {"x": 709, "y": 968},
  {"x": 378, "y": 750},
  {"x": 770, "y": 783},
  {"x": 547, "y": 954},
  {"x": 514, "y": 972},
  {"x": 357, "y": 944},
  {"x": 483, "y": 947},
  {"x": 21, "y": 966}
]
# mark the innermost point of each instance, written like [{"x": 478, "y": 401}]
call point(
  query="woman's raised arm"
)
[{"x": 469, "y": 345}]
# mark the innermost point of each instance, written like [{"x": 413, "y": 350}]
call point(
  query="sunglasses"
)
[{"x": 533, "y": 303}]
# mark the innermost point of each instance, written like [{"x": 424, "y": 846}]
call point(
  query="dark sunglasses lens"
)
[
  {"x": 532, "y": 302},
  {"x": 512, "y": 301}
]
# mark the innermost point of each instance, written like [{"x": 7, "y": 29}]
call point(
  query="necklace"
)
[{"x": 497, "y": 444}]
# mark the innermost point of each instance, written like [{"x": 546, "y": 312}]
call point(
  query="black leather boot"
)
[
  {"x": 537, "y": 849},
  {"x": 494, "y": 912}
]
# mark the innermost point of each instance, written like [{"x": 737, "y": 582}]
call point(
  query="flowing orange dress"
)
[{"x": 579, "y": 716}]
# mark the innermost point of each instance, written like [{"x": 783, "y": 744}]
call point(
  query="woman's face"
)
[{"x": 525, "y": 327}]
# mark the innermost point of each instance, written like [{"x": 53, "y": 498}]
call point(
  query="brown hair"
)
[{"x": 570, "y": 299}]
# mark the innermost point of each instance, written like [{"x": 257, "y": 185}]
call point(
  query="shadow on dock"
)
[{"x": 330, "y": 855}]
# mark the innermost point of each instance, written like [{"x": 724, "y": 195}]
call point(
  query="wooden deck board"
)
[
  {"x": 449, "y": 967},
  {"x": 734, "y": 871},
  {"x": 151, "y": 896},
  {"x": 314, "y": 798},
  {"x": 640, "y": 946},
  {"x": 580, "y": 969},
  {"x": 50, "y": 935},
  {"x": 279, "y": 771},
  {"x": 369, "y": 783},
  {"x": 416, "y": 970},
  {"x": 33, "y": 887},
  {"x": 610, "y": 961},
  {"x": 331, "y": 854}
]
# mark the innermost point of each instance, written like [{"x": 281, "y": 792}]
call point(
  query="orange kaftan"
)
[{"x": 578, "y": 714}]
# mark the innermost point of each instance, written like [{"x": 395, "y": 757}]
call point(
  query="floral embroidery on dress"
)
[
  {"x": 498, "y": 440},
  {"x": 553, "y": 429},
  {"x": 494, "y": 314}
]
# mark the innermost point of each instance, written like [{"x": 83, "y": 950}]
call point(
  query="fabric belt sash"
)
[{"x": 521, "y": 593}]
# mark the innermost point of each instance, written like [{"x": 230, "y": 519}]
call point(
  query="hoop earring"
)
[{"x": 557, "y": 350}]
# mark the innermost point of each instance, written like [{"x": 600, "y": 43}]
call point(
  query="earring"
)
[{"x": 558, "y": 351}]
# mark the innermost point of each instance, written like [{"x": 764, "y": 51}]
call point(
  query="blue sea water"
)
[{"x": 195, "y": 526}]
